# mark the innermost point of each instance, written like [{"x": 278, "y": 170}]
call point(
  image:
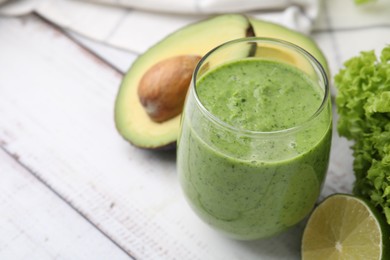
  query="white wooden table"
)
[{"x": 72, "y": 188}]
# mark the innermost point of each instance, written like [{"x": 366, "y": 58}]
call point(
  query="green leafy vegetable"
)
[
  {"x": 363, "y": 104},
  {"x": 358, "y": 2}
]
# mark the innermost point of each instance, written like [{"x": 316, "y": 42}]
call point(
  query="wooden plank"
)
[
  {"x": 58, "y": 119},
  {"x": 56, "y": 116},
  {"x": 36, "y": 224}
]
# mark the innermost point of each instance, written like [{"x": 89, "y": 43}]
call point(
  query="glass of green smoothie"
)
[{"x": 255, "y": 137}]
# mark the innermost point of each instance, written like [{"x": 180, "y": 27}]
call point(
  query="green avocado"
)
[
  {"x": 272, "y": 30},
  {"x": 131, "y": 119}
]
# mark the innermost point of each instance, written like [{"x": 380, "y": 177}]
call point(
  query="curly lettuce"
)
[
  {"x": 359, "y": 2},
  {"x": 363, "y": 105}
]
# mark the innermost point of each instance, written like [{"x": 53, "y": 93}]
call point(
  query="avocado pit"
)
[{"x": 163, "y": 88}]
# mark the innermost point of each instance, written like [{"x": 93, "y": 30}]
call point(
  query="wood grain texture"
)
[
  {"x": 36, "y": 224},
  {"x": 56, "y": 118}
]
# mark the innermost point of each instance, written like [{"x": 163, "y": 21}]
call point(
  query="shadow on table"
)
[
  {"x": 283, "y": 246},
  {"x": 166, "y": 155}
]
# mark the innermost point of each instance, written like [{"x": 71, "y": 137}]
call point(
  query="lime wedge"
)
[{"x": 345, "y": 227}]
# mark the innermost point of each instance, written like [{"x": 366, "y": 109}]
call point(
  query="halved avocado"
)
[
  {"x": 272, "y": 30},
  {"x": 131, "y": 119}
]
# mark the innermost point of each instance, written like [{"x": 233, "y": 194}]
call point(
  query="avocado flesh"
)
[
  {"x": 272, "y": 30},
  {"x": 131, "y": 119}
]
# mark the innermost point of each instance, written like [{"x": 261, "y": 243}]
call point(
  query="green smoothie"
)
[{"x": 252, "y": 160}]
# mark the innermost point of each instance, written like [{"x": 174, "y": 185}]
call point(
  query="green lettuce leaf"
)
[
  {"x": 359, "y": 2},
  {"x": 363, "y": 105}
]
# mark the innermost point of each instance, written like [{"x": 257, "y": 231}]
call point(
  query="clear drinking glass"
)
[{"x": 247, "y": 183}]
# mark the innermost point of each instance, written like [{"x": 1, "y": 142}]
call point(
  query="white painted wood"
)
[
  {"x": 37, "y": 224},
  {"x": 56, "y": 115}
]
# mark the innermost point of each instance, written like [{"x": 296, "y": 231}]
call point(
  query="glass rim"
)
[{"x": 295, "y": 47}]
